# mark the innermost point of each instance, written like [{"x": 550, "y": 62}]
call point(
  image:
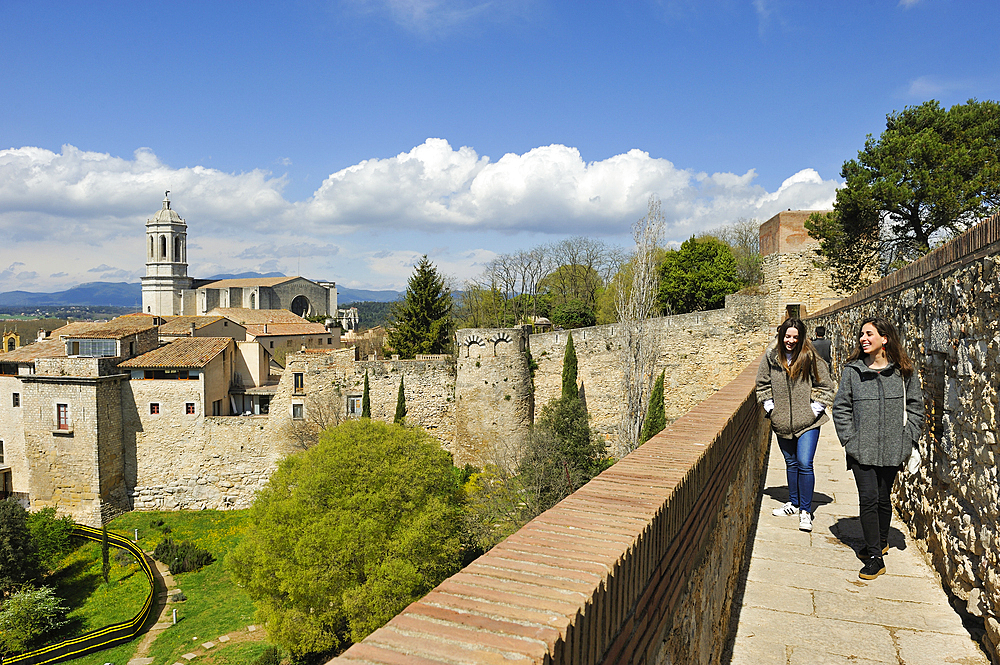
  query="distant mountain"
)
[
  {"x": 246, "y": 275},
  {"x": 347, "y": 296},
  {"x": 116, "y": 294},
  {"x": 122, "y": 294}
]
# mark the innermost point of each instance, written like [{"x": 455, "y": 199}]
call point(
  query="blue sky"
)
[{"x": 343, "y": 139}]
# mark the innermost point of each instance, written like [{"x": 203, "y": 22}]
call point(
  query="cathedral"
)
[{"x": 167, "y": 290}]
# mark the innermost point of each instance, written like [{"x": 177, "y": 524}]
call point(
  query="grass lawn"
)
[{"x": 215, "y": 605}]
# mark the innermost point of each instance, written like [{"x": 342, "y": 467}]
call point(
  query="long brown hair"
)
[
  {"x": 894, "y": 350},
  {"x": 803, "y": 360}
]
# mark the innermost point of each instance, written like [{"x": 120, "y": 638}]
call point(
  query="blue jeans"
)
[{"x": 799, "y": 453}]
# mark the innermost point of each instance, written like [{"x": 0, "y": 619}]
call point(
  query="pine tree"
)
[
  {"x": 422, "y": 320},
  {"x": 656, "y": 417},
  {"x": 400, "y": 404},
  {"x": 366, "y": 400},
  {"x": 569, "y": 370}
]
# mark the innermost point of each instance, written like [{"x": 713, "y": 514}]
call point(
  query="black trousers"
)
[{"x": 874, "y": 486}]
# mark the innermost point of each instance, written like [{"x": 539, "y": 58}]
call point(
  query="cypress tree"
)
[
  {"x": 400, "y": 404},
  {"x": 366, "y": 400},
  {"x": 421, "y": 322},
  {"x": 569, "y": 371},
  {"x": 656, "y": 416},
  {"x": 105, "y": 554}
]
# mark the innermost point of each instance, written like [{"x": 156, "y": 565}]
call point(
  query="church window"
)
[
  {"x": 154, "y": 408},
  {"x": 163, "y": 248},
  {"x": 253, "y": 301},
  {"x": 17, "y": 399},
  {"x": 177, "y": 249},
  {"x": 62, "y": 416},
  {"x": 152, "y": 248},
  {"x": 189, "y": 408}
]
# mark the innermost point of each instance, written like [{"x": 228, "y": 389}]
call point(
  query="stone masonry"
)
[{"x": 947, "y": 309}]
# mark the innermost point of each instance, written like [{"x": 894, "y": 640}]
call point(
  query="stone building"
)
[
  {"x": 793, "y": 284},
  {"x": 167, "y": 290}
]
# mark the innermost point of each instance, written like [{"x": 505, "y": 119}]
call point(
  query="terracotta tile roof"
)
[
  {"x": 49, "y": 348},
  {"x": 186, "y": 352},
  {"x": 113, "y": 329},
  {"x": 245, "y": 316},
  {"x": 287, "y": 329},
  {"x": 244, "y": 282},
  {"x": 181, "y": 325}
]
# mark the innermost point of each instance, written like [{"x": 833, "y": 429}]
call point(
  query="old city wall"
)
[
  {"x": 947, "y": 307},
  {"x": 177, "y": 461},
  {"x": 494, "y": 406},
  {"x": 699, "y": 353},
  {"x": 331, "y": 377}
]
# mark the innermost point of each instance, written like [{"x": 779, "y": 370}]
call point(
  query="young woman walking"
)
[
  {"x": 793, "y": 385},
  {"x": 879, "y": 414}
]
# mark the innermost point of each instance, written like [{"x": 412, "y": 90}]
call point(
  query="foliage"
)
[
  {"x": 349, "y": 532},
  {"x": 656, "y": 417},
  {"x": 570, "y": 388},
  {"x": 26, "y": 616},
  {"x": 697, "y": 277},
  {"x": 574, "y": 314},
  {"x": 562, "y": 453},
  {"x": 494, "y": 505},
  {"x": 573, "y": 283},
  {"x": 366, "y": 399},
  {"x": 743, "y": 238},
  {"x": 182, "y": 557},
  {"x": 270, "y": 656},
  {"x": 400, "y": 415},
  {"x": 105, "y": 554},
  {"x": 51, "y": 536},
  {"x": 18, "y": 554},
  {"x": 371, "y": 313},
  {"x": 932, "y": 174},
  {"x": 422, "y": 320},
  {"x": 636, "y": 291}
]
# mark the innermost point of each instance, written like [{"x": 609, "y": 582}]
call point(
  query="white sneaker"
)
[
  {"x": 787, "y": 509},
  {"x": 805, "y": 521}
]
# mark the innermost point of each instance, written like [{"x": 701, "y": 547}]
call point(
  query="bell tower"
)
[{"x": 166, "y": 262}]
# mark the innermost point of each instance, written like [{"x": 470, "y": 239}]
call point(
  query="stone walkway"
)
[{"x": 804, "y": 602}]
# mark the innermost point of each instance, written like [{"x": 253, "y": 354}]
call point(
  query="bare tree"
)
[
  {"x": 743, "y": 236},
  {"x": 636, "y": 303},
  {"x": 323, "y": 409}
]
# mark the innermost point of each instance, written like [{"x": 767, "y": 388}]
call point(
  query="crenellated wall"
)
[
  {"x": 947, "y": 308},
  {"x": 640, "y": 565}
]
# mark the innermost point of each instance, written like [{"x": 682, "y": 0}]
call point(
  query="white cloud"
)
[
  {"x": 85, "y": 207},
  {"x": 907, "y": 4},
  {"x": 440, "y": 18}
]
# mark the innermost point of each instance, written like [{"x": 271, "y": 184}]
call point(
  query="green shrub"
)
[
  {"x": 27, "y": 615},
  {"x": 182, "y": 557},
  {"x": 51, "y": 536},
  {"x": 271, "y": 656}
]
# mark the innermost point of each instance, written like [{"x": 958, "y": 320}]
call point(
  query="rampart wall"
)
[
  {"x": 700, "y": 353},
  {"x": 638, "y": 566},
  {"x": 947, "y": 308}
]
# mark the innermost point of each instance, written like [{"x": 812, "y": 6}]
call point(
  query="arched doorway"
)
[{"x": 300, "y": 306}]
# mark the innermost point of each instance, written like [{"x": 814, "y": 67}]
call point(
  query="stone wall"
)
[
  {"x": 700, "y": 353},
  {"x": 639, "y": 565},
  {"x": 494, "y": 403},
  {"x": 12, "y": 431},
  {"x": 947, "y": 308}
]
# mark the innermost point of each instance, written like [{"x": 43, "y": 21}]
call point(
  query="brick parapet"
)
[{"x": 603, "y": 576}]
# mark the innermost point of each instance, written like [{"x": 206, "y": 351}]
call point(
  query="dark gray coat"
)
[
  {"x": 792, "y": 415},
  {"x": 868, "y": 414}
]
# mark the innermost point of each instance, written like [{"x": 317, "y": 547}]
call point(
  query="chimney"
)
[{"x": 192, "y": 329}]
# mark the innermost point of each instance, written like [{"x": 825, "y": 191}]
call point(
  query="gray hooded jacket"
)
[
  {"x": 868, "y": 414},
  {"x": 793, "y": 415}
]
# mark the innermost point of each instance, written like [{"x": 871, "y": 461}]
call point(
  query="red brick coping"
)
[{"x": 594, "y": 579}]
